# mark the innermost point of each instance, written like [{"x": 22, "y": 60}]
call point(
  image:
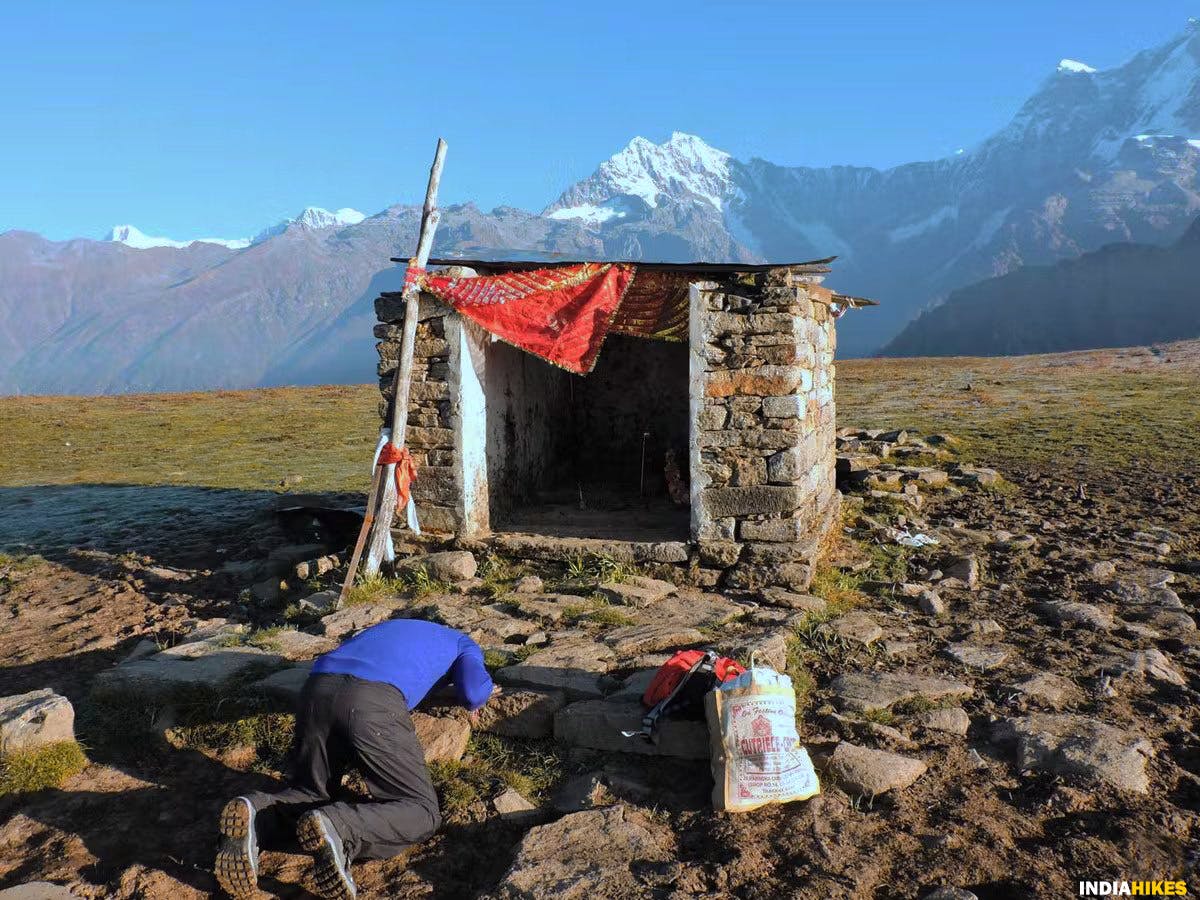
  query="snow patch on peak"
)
[
  {"x": 1074, "y": 65},
  {"x": 132, "y": 236}
]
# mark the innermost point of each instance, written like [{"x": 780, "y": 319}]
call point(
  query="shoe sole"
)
[
  {"x": 234, "y": 868},
  {"x": 331, "y": 883}
]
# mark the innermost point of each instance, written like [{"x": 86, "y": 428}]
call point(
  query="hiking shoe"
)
[
  {"x": 236, "y": 867},
  {"x": 331, "y": 868}
]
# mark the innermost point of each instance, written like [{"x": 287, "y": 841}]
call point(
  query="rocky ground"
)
[{"x": 1006, "y": 711}]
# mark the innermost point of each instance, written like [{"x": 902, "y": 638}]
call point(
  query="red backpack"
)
[{"x": 679, "y": 686}]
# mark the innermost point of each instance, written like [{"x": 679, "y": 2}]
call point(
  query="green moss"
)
[
  {"x": 25, "y": 771},
  {"x": 610, "y": 615}
]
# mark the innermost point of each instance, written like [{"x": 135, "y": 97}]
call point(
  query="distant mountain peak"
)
[
  {"x": 1074, "y": 65},
  {"x": 132, "y": 236},
  {"x": 683, "y": 167},
  {"x": 313, "y": 218}
]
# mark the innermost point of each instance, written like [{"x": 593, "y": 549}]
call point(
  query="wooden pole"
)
[{"x": 379, "y": 519}]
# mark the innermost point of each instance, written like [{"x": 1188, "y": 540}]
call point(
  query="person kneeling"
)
[{"x": 354, "y": 711}]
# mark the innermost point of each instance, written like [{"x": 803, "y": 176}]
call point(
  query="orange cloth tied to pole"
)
[{"x": 406, "y": 470}]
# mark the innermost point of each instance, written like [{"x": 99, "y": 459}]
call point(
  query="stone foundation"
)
[{"x": 761, "y": 442}]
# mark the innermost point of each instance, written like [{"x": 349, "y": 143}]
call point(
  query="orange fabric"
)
[{"x": 406, "y": 470}]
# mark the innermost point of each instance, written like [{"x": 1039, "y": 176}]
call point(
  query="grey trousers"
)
[{"x": 345, "y": 721}]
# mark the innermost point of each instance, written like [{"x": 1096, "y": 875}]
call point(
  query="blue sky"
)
[{"x": 215, "y": 119}]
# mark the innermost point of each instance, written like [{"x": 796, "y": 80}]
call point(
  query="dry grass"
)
[{"x": 26, "y": 771}]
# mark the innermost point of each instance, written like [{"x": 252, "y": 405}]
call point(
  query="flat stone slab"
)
[
  {"x": 854, "y": 627},
  {"x": 35, "y": 719},
  {"x": 577, "y": 669},
  {"x": 868, "y": 691},
  {"x": 862, "y": 770},
  {"x": 1085, "y": 614},
  {"x": 590, "y": 854},
  {"x": 521, "y": 714},
  {"x": 1152, "y": 664},
  {"x": 297, "y": 645},
  {"x": 792, "y": 600},
  {"x": 37, "y": 890},
  {"x": 1047, "y": 689},
  {"x": 547, "y": 607},
  {"x": 952, "y": 720},
  {"x": 630, "y": 639},
  {"x": 285, "y": 684},
  {"x": 353, "y": 619},
  {"x": 974, "y": 656},
  {"x": 637, "y": 591},
  {"x": 1064, "y": 744},
  {"x": 597, "y": 724},
  {"x": 203, "y": 664},
  {"x": 696, "y": 610}
]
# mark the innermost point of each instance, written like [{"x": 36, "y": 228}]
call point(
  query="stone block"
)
[
  {"x": 521, "y": 714},
  {"x": 577, "y": 669},
  {"x": 756, "y": 500},
  {"x": 789, "y": 407},
  {"x": 763, "y": 381},
  {"x": 779, "y": 530},
  {"x": 597, "y": 724},
  {"x": 632, "y": 639},
  {"x": 636, "y": 591}
]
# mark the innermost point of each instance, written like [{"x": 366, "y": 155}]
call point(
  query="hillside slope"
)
[{"x": 1120, "y": 295}]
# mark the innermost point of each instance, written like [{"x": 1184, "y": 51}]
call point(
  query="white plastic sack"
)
[{"x": 756, "y": 754}]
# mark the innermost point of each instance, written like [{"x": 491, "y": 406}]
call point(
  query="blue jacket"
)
[{"x": 413, "y": 656}]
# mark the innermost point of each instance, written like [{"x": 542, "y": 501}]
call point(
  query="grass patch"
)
[
  {"x": 20, "y": 562},
  {"x": 492, "y": 764},
  {"x": 268, "y": 733},
  {"x": 417, "y": 581},
  {"x": 26, "y": 771},
  {"x": 375, "y": 588},
  {"x": 840, "y": 590},
  {"x": 599, "y": 567},
  {"x": 610, "y": 615},
  {"x": 498, "y": 573}
]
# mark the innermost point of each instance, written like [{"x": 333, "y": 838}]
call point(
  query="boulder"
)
[
  {"x": 597, "y": 724},
  {"x": 930, "y": 603},
  {"x": 869, "y": 691},
  {"x": 1071, "y": 745},
  {"x": 35, "y": 719},
  {"x": 521, "y": 714},
  {"x": 861, "y": 770},
  {"x": 449, "y": 565},
  {"x": 444, "y": 738},
  {"x": 609, "y": 852},
  {"x": 636, "y": 591},
  {"x": 632, "y": 639}
]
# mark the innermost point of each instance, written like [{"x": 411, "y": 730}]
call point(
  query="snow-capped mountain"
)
[
  {"x": 131, "y": 236},
  {"x": 683, "y": 169},
  {"x": 311, "y": 217},
  {"x": 1092, "y": 158}
]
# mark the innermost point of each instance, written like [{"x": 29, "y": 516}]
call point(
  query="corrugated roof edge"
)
[{"x": 813, "y": 266}]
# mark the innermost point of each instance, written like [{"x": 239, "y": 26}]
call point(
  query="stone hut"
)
[{"x": 710, "y": 448}]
